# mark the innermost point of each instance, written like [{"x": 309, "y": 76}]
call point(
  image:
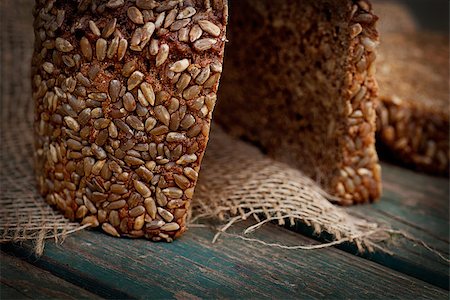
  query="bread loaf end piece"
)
[
  {"x": 299, "y": 83},
  {"x": 124, "y": 93}
]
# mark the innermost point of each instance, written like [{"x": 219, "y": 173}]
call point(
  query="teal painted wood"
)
[
  {"x": 417, "y": 204},
  {"x": 21, "y": 280},
  {"x": 231, "y": 268},
  {"x": 7, "y": 292}
]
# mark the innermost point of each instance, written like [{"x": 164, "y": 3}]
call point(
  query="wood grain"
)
[
  {"x": 21, "y": 280},
  {"x": 419, "y": 205},
  {"x": 193, "y": 267},
  {"x": 416, "y": 204}
]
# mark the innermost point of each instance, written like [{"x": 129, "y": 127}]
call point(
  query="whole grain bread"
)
[
  {"x": 299, "y": 83},
  {"x": 124, "y": 92},
  {"x": 413, "y": 75}
]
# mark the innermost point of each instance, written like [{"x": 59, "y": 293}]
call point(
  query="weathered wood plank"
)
[
  {"x": 7, "y": 292},
  {"x": 417, "y": 204},
  {"x": 21, "y": 280},
  {"x": 231, "y": 268}
]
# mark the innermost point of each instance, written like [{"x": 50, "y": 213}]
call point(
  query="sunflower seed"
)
[
  {"x": 139, "y": 222},
  {"x": 117, "y": 204},
  {"x": 86, "y": 48},
  {"x": 63, "y": 45},
  {"x": 48, "y": 67},
  {"x": 72, "y": 123},
  {"x": 81, "y": 212},
  {"x": 191, "y": 92},
  {"x": 154, "y": 47},
  {"x": 147, "y": 91},
  {"x": 162, "y": 114},
  {"x": 129, "y": 102},
  {"x": 100, "y": 49},
  {"x": 194, "y": 131},
  {"x": 170, "y": 18},
  {"x": 135, "y": 15},
  {"x": 91, "y": 220},
  {"x": 175, "y": 137},
  {"x": 216, "y": 67},
  {"x": 180, "y": 65},
  {"x": 181, "y": 181},
  {"x": 203, "y": 76},
  {"x": 154, "y": 224},
  {"x": 114, "y": 89},
  {"x": 166, "y": 215},
  {"x": 209, "y": 27},
  {"x": 101, "y": 123},
  {"x": 187, "y": 121},
  {"x": 146, "y": 4},
  {"x": 162, "y": 55},
  {"x": 109, "y": 28},
  {"x": 150, "y": 123},
  {"x": 122, "y": 49},
  {"x": 150, "y": 206},
  {"x": 183, "y": 34},
  {"x": 170, "y": 226},
  {"x": 186, "y": 13},
  {"x": 195, "y": 33},
  {"x": 134, "y": 80},
  {"x": 186, "y": 159},
  {"x": 94, "y": 28},
  {"x": 133, "y": 161},
  {"x": 183, "y": 82},
  {"x": 115, "y": 4},
  {"x": 136, "y": 38},
  {"x": 159, "y": 130},
  {"x": 212, "y": 81},
  {"x": 355, "y": 30},
  {"x": 369, "y": 44},
  {"x": 137, "y": 211},
  {"x": 190, "y": 173},
  {"x": 177, "y": 25},
  {"x": 135, "y": 122},
  {"x": 109, "y": 229},
  {"x": 112, "y": 49},
  {"x": 128, "y": 68},
  {"x": 204, "y": 44}
]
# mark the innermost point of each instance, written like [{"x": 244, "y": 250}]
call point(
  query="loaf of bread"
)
[
  {"x": 413, "y": 121},
  {"x": 124, "y": 92},
  {"x": 299, "y": 83}
]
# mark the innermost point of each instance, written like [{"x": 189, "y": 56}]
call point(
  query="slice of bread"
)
[
  {"x": 124, "y": 93},
  {"x": 298, "y": 82}
]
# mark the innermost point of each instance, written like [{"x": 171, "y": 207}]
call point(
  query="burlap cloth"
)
[{"x": 236, "y": 181}]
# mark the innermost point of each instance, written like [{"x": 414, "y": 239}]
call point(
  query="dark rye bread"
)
[
  {"x": 413, "y": 76},
  {"x": 124, "y": 92},
  {"x": 298, "y": 82}
]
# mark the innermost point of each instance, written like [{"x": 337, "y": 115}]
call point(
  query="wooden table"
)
[{"x": 93, "y": 265}]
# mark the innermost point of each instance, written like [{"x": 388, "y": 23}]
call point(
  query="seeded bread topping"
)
[
  {"x": 299, "y": 83},
  {"x": 124, "y": 93}
]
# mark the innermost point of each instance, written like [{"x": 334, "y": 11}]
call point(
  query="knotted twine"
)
[{"x": 237, "y": 181}]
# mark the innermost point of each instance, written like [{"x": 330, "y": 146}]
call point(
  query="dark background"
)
[{"x": 430, "y": 14}]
